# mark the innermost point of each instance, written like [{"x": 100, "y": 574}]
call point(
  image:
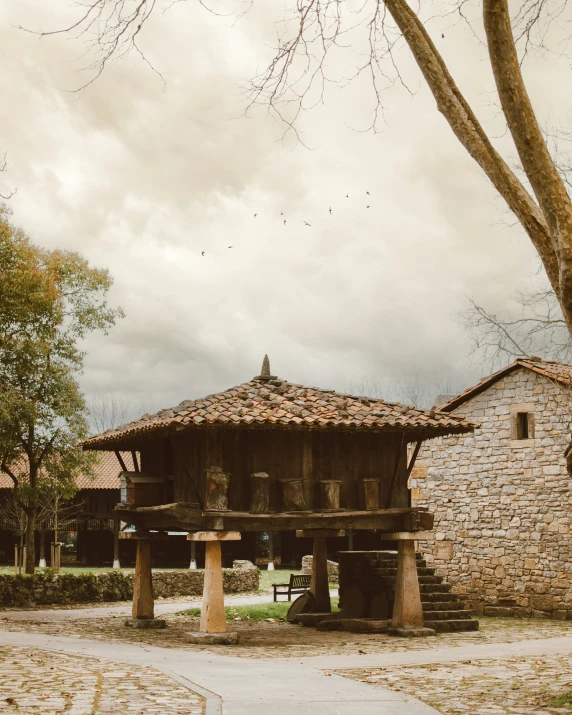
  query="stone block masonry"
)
[{"x": 503, "y": 505}]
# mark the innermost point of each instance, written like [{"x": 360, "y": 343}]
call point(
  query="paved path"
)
[
  {"x": 483, "y": 651},
  {"x": 161, "y": 608},
  {"x": 235, "y": 686}
]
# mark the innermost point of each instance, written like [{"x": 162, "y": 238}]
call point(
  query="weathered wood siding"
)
[{"x": 285, "y": 454}]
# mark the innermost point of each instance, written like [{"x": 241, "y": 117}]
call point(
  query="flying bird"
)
[
  {"x": 307, "y": 224},
  {"x": 281, "y": 213},
  {"x": 330, "y": 209},
  {"x": 442, "y": 35},
  {"x": 255, "y": 215},
  {"x": 285, "y": 222},
  {"x": 367, "y": 192},
  {"x": 230, "y": 246},
  {"x": 202, "y": 253},
  {"x": 347, "y": 196},
  {"x": 367, "y": 207}
]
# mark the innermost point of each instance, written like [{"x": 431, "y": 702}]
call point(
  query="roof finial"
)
[{"x": 265, "y": 371}]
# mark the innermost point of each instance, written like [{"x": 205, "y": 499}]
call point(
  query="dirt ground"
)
[{"x": 281, "y": 639}]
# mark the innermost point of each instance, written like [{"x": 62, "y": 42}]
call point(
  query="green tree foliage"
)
[{"x": 49, "y": 301}]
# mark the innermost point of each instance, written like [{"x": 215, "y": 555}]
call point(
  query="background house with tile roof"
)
[
  {"x": 94, "y": 526},
  {"x": 502, "y": 496}
]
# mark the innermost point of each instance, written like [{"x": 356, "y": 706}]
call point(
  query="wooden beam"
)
[
  {"x": 214, "y": 536},
  {"x": 413, "y": 458},
  {"x": 120, "y": 460},
  {"x": 395, "y": 471},
  {"x": 304, "y": 533},
  {"x": 409, "y": 536},
  {"x": 143, "y": 535},
  {"x": 135, "y": 462},
  {"x": 188, "y": 517}
]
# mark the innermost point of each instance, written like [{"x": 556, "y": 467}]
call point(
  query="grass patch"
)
[
  {"x": 254, "y": 612},
  {"x": 561, "y": 701}
]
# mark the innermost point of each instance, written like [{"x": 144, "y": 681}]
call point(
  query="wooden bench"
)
[{"x": 299, "y": 583}]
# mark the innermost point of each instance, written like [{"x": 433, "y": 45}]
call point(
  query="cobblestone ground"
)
[
  {"x": 280, "y": 639},
  {"x": 512, "y": 686},
  {"x": 34, "y": 682}
]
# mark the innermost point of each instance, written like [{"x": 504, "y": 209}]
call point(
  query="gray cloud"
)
[{"x": 141, "y": 178}]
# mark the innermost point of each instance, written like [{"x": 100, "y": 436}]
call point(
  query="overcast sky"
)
[{"x": 141, "y": 178}]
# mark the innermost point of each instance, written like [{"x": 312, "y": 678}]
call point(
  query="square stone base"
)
[
  {"x": 212, "y": 638},
  {"x": 146, "y": 623},
  {"x": 411, "y": 632}
]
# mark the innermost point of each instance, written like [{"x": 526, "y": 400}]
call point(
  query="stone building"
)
[{"x": 501, "y": 496}]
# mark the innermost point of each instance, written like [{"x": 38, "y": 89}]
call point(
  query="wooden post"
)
[
  {"x": 193, "y": 564},
  {"x": 116, "y": 564},
  {"x": 371, "y": 493},
  {"x": 350, "y": 539},
  {"x": 330, "y": 494},
  {"x": 213, "y": 617},
  {"x": 143, "y": 605},
  {"x": 319, "y": 584},
  {"x": 293, "y": 494},
  {"x": 42, "y": 563},
  {"x": 271, "y": 551},
  {"x": 259, "y": 500},
  {"x": 217, "y": 489}
]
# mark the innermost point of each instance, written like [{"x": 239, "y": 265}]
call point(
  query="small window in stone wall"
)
[{"x": 522, "y": 425}]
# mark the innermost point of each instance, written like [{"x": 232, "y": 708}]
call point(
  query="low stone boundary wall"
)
[
  {"x": 333, "y": 568},
  {"x": 49, "y": 589}
]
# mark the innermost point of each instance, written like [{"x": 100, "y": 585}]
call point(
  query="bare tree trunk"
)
[
  {"x": 537, "y": 163},
  {"x": 30, "y": 540},
  {"x": 462, "y": 120}
]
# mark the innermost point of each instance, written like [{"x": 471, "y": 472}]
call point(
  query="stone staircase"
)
[{"x": 376, "y": 571}]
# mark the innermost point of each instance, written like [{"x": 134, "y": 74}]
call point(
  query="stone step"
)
[
  {"x": 391, "y": 571},
  {"x": 431, "y": 579},
  {"x": 434, "y": 588},
  {"x": 450, "y": 626},
  {"x": 429, "y": 606},
  {"x": 448, "y": 615},
  {"x": 427, "y": 596}
]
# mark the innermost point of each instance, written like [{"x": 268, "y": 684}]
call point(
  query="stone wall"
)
[
  {"x": 168, "y": 584},
  {"x": 503, "y": 506},
  {"x": 47, "y": 588},
  {"x": 333, "y": 568}
]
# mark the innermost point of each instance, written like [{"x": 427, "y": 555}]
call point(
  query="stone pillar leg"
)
[
  {"x": 143, "y": 581},
  {"x": 407, "y": 610},
  {"x": 213, "y": 618},
  {"x": 319, "y": 585}
]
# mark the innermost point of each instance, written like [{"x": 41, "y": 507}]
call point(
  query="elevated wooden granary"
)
[{"x": 270, "y": 455}]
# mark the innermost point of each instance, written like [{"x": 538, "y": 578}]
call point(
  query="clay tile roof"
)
[
  {"x": 276, "y": 402},
  {"x": 559, "y": 371},
  {"x": 106, "y": 473}
]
